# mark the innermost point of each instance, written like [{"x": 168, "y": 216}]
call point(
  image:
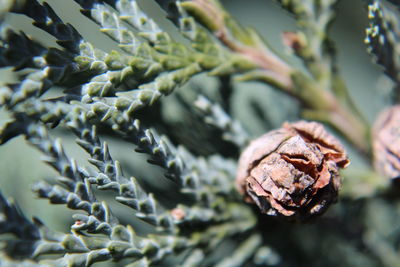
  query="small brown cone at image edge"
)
[
  {"x": 292, "y": 172},
  {"x": 386, "y": 142}
]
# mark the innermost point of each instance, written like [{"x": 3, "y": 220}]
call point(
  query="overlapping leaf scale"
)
[{"x": 383, "y": 37}]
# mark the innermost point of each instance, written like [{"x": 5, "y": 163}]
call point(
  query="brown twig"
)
[{"x": 320, "y": 103}]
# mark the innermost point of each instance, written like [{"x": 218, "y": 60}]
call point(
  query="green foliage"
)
[
  {"x": 383, "y": 35},
  {"x": 198, "y": 218}
]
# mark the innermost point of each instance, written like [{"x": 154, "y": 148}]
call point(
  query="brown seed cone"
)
[
  {"x": 386, "y": 142},
  {"x": 292, "y": 172}
]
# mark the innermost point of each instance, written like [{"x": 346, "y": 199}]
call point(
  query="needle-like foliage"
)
[{"x": 187, "y": 210}]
